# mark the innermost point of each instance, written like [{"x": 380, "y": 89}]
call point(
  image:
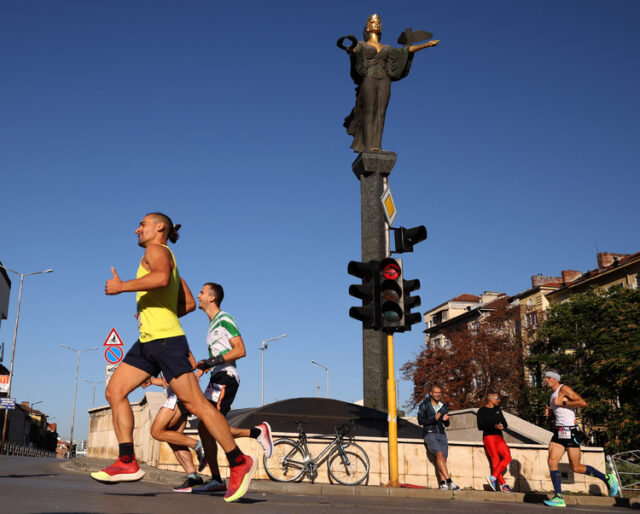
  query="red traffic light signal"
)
[{"x": 391, "y": 294}]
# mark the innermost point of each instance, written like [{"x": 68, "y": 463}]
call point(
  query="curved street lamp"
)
[
  {"x": 327, "y": 370},
  {"x": 263, "y": 347},
  {"x": 75, "y": 390},
  {"x": 93, "y": 404},
  {"x": 15, "y": 337}
]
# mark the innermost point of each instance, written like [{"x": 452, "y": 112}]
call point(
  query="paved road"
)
[{"x": 35, "y": 485}]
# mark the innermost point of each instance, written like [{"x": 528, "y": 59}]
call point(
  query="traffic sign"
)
[
  {"x": 7, "y": 403},
  {"x": 4, "y": 383},
  {"x": 113, "y": 339},
  {"x": 108, "y": 372},
  {"x": 113, "y": 354},
  {"x": 388, "y": 206}
]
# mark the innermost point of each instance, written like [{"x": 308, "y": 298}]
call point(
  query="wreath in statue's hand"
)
[{"x": 351, "y": 38}]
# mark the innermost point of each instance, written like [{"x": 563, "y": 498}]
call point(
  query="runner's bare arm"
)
[
  {"x": 152, "y": 381},
  {"x": 569, "y": 398},
  {"x": 157, "y": 260},
  {"x": 186, "y": 302},
  {"x": 237, "y": 352}
]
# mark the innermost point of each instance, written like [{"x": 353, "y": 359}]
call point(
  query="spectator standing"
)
[
  {"x": 433, "y": 415},
  {"x": 491, "y": 421}
]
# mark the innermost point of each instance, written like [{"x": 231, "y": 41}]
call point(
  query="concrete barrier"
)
[{"x": 468, "y": 463}]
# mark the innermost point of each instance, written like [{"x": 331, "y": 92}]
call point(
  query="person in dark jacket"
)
[
  {"x": 491, "y": 421},
  {"x": 433, "y": 415}
]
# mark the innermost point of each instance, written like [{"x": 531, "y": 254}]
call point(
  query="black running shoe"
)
[{"x": 188, "y": 484}]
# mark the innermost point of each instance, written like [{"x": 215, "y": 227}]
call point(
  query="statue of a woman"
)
[{"x": 373, "y": 67}]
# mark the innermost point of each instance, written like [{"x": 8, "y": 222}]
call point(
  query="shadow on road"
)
[{"x": 30, "y": 476}]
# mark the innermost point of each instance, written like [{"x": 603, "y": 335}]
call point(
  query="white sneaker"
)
[
  {"x": 452, "y": 485},
  {"x": 265, "y": 438},
  {"x": 444, "y": 486}
]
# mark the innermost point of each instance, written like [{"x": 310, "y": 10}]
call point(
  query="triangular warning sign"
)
[{"x": 113, "y": 339}]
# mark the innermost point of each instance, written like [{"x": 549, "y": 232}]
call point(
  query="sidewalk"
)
[{"x": 86, "y": 464}]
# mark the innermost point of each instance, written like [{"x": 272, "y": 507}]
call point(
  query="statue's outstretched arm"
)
[{"x": 415, "y": 48}]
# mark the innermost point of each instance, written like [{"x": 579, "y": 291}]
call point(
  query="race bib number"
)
[
  {"x": 564, "y": 433},
  {"x": 212, "y": 392},
  {"x": 170, "y": 402}
]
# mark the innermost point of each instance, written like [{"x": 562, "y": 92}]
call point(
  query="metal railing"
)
[
  {"x": 12, "y": 448},
  {"x": 626, "y": 468}
]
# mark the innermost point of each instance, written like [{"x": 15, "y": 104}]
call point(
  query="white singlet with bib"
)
[{"x": 565, "y": 416}]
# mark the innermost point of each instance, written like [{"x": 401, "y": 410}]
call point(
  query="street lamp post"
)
[
  {"x": 327, "y": 370},
  {"x": 93, "y": 403},
  {"x": 15, "y": 337},
  {"x": 75, "y": 390},
  {"x": 263, "y": 347}
]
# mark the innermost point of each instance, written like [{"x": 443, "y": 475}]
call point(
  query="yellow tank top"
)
[{"x": 157, "y": 309}]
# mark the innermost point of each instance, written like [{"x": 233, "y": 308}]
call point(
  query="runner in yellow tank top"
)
[
  {"x": 162, "y": 297},
  {"x": 158, "y": 308}
]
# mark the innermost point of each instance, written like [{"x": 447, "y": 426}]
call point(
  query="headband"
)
[{"x": 552, "y": 374}]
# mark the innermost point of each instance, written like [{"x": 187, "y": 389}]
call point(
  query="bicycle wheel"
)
[
  {"x": 350, "y": 466},
  {"x": 286, "y": 463}
]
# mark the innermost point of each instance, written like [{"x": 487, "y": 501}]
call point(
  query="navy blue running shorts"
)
[
  {"x": 221, "y": 391},
  {"x": 169, "y": 355}
]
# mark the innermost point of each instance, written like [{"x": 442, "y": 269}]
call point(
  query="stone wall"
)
[
  {"x": 468, "y": 463},
  {"x": 102, "y": 442}
]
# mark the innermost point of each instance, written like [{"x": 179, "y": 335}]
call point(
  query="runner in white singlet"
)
[{"x": 567, "y": 437}]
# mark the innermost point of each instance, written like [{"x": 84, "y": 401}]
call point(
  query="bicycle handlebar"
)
[{"x": 342, "y": 430}]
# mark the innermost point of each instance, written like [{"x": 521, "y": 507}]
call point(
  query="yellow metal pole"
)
[{"x": 393, "y": 420}]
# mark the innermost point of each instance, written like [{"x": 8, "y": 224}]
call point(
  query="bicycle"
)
[{"x": 291, "y": 460}]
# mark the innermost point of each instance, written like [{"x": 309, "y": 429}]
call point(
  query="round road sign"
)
[{"x": 113, "y": 354}]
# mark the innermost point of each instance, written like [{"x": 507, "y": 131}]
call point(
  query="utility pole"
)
[
  {"x": 75, "y": 390},
  {"x": 372, "y": 169}
]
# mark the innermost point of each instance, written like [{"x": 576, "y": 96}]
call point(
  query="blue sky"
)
[{"x": 517, "y": 142}]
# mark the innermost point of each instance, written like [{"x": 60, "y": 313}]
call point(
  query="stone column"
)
[{"x": 372, "y": 169}]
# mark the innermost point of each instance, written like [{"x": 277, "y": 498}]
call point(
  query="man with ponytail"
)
[{"x": 162, "y": 297}]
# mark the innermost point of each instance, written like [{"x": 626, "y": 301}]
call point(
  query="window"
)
[{"x": 531, "y": 319}]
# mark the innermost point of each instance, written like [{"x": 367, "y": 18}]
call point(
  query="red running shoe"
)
[
  {"x": 240, "y": 478},
  {"x": 119, "y": 471}
]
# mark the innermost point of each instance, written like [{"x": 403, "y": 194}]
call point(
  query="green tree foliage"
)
[
  {"x": 479, "y": 355},
  {"x": 593, "y": 340}
]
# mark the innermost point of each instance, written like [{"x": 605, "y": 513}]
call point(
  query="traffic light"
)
[
  {"x": 410, "y": 318},
  {"x": 368, "y": 292},
  {"x": 406, "y": 238},
  {"x": 391, "y": 294}
]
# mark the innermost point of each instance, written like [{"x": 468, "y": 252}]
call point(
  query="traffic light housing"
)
[
  {"x": 368, "y": 291},
  {"x": 391, "y": 294},
  {"x": 407, "y": 238},
  {"x": 411, "y": 318}
]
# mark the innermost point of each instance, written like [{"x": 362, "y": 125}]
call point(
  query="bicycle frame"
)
[
  {"x": 347, "y": 463},
  {"x": 310, "y": 464}
]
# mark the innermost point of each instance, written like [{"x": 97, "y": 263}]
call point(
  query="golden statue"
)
[{"x": 373, "y": 67}]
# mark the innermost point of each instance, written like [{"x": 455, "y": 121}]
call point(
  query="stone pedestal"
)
[{"x": 372, "y": 169}]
